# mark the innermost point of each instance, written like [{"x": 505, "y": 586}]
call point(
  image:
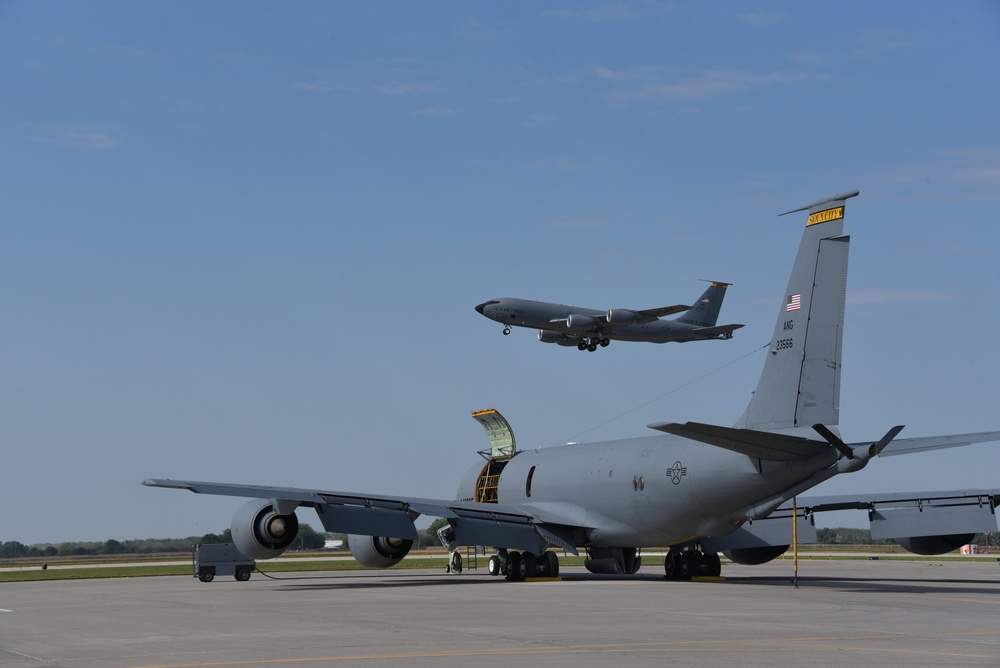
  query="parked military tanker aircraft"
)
[
  {"x": 698, "y": 488},
  {"x": 587, "y": 328}
]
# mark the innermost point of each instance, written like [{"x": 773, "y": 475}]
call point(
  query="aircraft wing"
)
[
  {"x": 922, "y": 522},
  {"x": 651, "y": 314},
  {"x": 529, "y": 527}
]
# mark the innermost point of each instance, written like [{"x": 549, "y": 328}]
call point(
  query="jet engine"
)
[
  {"x": 621, "y": 316},
  {"x": 549, "y": 336},
  {"x": 378, "y": 552},
  {"x": 932, "y": 545},
  {"x": 754, "y": 556},
  {"x": 613, "y": 560},
  {"x": 579, "y": 321},
  {"x": 260, "y": 532}
]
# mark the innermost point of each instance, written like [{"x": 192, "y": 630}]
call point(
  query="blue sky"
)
[{"x": 243, "y": 241}]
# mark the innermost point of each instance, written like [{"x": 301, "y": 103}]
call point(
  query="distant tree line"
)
[{"x": 309, "y": 539}]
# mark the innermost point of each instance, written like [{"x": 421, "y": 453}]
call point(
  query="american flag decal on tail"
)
[{"x": 793, "y": 303}]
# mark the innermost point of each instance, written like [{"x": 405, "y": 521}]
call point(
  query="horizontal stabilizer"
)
[
  {"x": 905, "y": 446},
  {"x": 759, "y": 444},
  {"x": 720, "y": 330}
]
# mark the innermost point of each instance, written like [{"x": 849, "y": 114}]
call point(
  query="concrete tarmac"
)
[{"x": 844, "y": 613}]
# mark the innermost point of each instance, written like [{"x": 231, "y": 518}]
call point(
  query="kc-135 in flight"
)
[
  {"x": 698, "y": 489},
  {"x": 587, "y": 328}
]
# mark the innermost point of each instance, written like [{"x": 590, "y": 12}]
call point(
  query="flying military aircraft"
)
[
  {"x": 588, "y": 328},
  {"x": 696, "y": 488}
]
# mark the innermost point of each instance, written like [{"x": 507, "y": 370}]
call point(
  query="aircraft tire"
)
[
  {"x": 687, "y": 565},
  {"x": 714, "y": 565},
  {"x": 605, "y": 343},
  {"x": 551, "y": 564},
  {"x": 670, "y": 566},
  {"x": 513, "y": 566},
  {"x": 528, "y": 568},
  {"x": 494, "y": 566}
]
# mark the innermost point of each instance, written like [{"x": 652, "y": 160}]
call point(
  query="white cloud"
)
[
  {"x": 435, "y": 111},
  {"x": 612, "y": 11},
  {"x": 708, "y": 84},
  {"x": 403, "y": 88},
  {"x": 78, "y": 135}
]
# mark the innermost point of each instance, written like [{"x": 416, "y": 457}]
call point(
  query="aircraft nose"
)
[{"x": 480, "y": 307}]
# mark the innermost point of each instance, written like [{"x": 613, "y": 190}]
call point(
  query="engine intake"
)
[
  {"x": 260, "y": 532},
  {"x": 378, "y": 552}
]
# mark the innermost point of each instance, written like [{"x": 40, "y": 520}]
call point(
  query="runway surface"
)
[{"x": 883, "y": 613}]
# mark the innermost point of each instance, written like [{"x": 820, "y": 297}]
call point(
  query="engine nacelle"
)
[
  {"x": 261, "y": 533},
  {"x": 579, "y": 321},
  {"x": 621, "y": 316},
  {"x": 932, "y": 545},
  {"x": 754, "y": 556},
  {"x": 613, "y": 561},
  {"x": 549, "y": 336},
  {"x": 378, "y": 552}
]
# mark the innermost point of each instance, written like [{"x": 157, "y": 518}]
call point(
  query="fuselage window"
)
[{"x": 527, "y": 485}]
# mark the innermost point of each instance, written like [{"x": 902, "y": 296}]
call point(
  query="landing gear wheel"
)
[
  {"x": 592, "y": 346},
  {"x": 456, "y": 562},
  {"x": 494, "y": 566},
  {"x": 713, "y": 565},
  {"x": 551, "y": 564},
  {"x": 506, "y": 331},
  {"x": 582, "y": 345},
  {"x": 687, "y": 565},
  {"x": 605, "y": 343},
  {"x": 514, "y": 566},
  {"x": 670, "y": 566},
  {"x": 528, "y": 568}
]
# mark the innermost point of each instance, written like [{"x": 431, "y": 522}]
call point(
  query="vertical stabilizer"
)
[
  {"x": 800, "y": 383},
  {"x": 705, "y": 312}
]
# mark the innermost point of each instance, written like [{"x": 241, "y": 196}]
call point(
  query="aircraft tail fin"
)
[
  {"x": 800, "y": 383},
  {"x": 705, "y": 311}
]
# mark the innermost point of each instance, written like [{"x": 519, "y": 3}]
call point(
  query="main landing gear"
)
[
  {"x": 519, "y": 566},
  {"x": 591, "y": 344},
  {"x": 691, "y": 563}
]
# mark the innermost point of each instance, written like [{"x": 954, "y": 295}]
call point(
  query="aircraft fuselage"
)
[
  {"x": 643, "y": 492},
  {"x": 515, "y": 312}
]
